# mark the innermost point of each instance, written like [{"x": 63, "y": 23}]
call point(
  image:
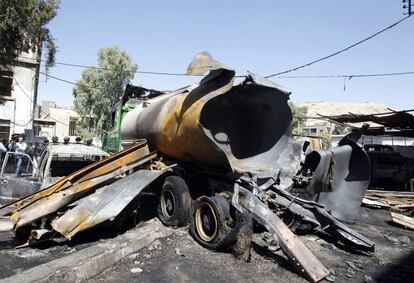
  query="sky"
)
[{"x": 263, "y": 37}]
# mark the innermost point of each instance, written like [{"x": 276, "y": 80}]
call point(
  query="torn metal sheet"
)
[
  {"x": 72, "y": 187},
  {"x": 315, "y": 213},
  {"x": 105, "y": 204},
  {"x": 340, "y": 178},
  {"x": 300, "y": 256},
  {"x": 219, "y": 126}
]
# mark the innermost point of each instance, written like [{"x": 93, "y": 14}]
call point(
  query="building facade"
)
[
  {"x": 55, "y": 120},
  {"x": 316, "y": 126},
  {"x": 18, "y": 96}
]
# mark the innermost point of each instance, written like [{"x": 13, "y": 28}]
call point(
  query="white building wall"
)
[
  {"x": 18, "y": 108},
  {"x": 23, "y": 92},
  {"x": 64, "y": 116}
]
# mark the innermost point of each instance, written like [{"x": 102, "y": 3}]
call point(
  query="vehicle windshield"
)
[{"x": 66, "y": 165}]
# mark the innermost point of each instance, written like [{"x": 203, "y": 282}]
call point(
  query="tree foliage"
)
[
  {"x": 100, "y": 88},
  {"x": 23, "y": 28},
  {"x": 339, "y": 129},
  {"x": 299, "y": 117}
]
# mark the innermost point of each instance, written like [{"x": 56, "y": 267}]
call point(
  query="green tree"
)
[
  {"x": 326, "y": 141},
  {"x": 339, "y": 129},
  {"x": 299, "y": 117},
  {"x": 23, "y": 28},
  {"x": 100, "y": 89}
]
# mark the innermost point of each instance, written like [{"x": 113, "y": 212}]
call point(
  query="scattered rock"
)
[
  {"x": 358, "y": 263},
  {"x": 350, "y": 273},
  {"x": 353, "y": 266},
  {"x": 177, "y": 251},
  {"x": 273, "y": 248},
  {"x": 136, "y": 270},
  {"x": 313, "y": 238},
  {"x": 330, "y": 278},
  {"x": 136, "y": 262},
  {"x": 332, "y": 271},
  {"x": 157, "y": 244},
  {"x": 404, "y": 240},
  {"x": 391, "y": 238},
  {"x": 369, "y": 279},
  {"x": 133, "y": 256}
]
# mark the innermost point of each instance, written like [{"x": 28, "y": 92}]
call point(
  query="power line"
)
[
  {"x": 113, "y": 69},
  {"x": 68, "y": 82},
  {"x": 269, "y": 76},
  {"x": 281, "y": 77},
  {"x": 136, "y": 72},
  {"x": 28, "y": 96},
  {"x": 340, "y": 51},
  {"x": 347, "y": 76}
]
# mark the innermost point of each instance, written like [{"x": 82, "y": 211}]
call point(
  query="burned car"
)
[{"x": 56, "y": 160}]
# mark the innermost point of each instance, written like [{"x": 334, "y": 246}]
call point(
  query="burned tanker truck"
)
[
  {"x": 237, "y": 160},
  {"x": 220, "y": 157}
]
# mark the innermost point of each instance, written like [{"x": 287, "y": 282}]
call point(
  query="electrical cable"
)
[
  {"x": 269, "y": 76},
  {"x": 24, "y": 92},
  {"x": 340, "y": 51},
  {"x": 347, "y": 76}
]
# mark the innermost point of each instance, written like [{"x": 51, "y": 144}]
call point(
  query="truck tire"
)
[
  {"x": 174, "y": 207},
  {"x": 218, "y": 227}
]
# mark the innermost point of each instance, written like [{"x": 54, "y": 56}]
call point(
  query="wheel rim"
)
[
  {"x": 206, "y": 222},
  {"x": 167, "y": 204}
]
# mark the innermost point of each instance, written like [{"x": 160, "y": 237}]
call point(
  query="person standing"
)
[
  {"x": 3, "y": 149},
  {"x": 12, "y": 146},
  {"x": 20, "y": 148}
]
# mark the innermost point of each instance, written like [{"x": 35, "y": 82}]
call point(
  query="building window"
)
[
  {"x": 312, "y": 130},
  {"x": 4, "y": 132},
  {"x": 36, "y": 129},
  {"x": 5, "y": 85},
  {"x": 72, "y": 127}
]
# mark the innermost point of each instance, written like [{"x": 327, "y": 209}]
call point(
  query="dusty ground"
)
[{"x": 179, "y": 258}]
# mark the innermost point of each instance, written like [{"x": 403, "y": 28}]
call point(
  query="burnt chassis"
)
[
  {"x": 315, "y": 203},
  {"x": 328, "y": 180}
]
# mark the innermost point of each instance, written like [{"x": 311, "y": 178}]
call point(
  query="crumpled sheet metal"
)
[
  {"x": 301, "y": 257},
  {"x": 221, "y": 126},
  {"x": 105, "y": 204},
  {"x": 72, "y": 187},
  {"x": 341, "y": 179}
]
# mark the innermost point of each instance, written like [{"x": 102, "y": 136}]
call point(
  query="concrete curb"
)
[{"x": 89, "y": 262}]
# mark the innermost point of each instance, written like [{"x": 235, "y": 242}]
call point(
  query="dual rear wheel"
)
[{"x": 214, "y": 223}]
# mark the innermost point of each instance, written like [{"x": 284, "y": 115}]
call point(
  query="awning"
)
[{"x": 393, "y": 123}]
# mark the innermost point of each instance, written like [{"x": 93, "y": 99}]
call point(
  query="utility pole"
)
[
  {"x": 36, "y": 83},
  {"x": 408, "y": 6}
]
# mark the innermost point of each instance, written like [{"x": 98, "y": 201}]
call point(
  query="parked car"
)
[{"x": 55, "y": 160}]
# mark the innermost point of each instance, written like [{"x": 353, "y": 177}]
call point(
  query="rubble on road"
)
[
  {"x": 397, "y": 201},
  {"x": 401, "y": 205}
]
